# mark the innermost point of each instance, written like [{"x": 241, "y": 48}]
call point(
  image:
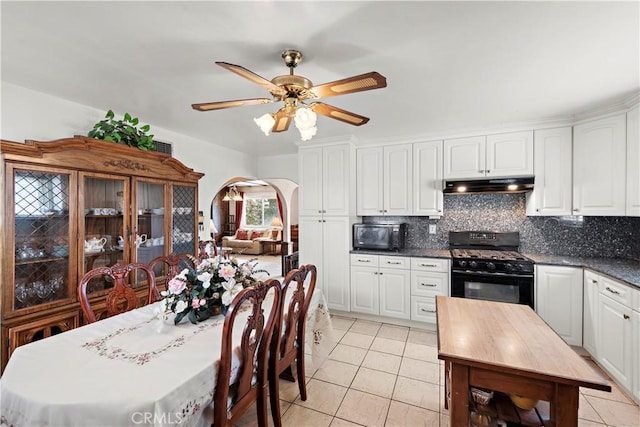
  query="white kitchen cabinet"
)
[
  {"x": 559, "y": 300},
  {"x": 465, "y": 157},
  {"x": 500, "y": 155},
  {"x": 633, "y": 162},
  {"x": 635, "y": 358},
  {"x": 551, "y": 195},
  {"x": 599, "y": 167},
  {"x": 590, "y": 324},
  {"x": 427, "y": 178},
  {"x": 384, "y": 180},
  {"x": 326, "y": 176},
  {"x": 326, "y": 242},
  {"x": 615, "y": 340},
  {"x": 380, "y": 285},
  {"x": 510, "y": 154},
  {"x": 429, "y": 278}
]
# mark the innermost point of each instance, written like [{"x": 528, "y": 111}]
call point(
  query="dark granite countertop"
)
[
  {"x": 626, "y": 270},
  {"x": 418, "y": 253}
]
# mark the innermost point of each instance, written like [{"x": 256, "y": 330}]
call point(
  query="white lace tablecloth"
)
[{"x": 128, "y": 370}]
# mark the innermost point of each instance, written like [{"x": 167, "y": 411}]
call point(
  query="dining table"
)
[
  {"x": 503, "y": 347},
  {"x": 136, "y": 368}
]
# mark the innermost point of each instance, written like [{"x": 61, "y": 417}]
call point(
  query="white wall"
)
[
  {"x": 279, "y": 166},
  {"x": 28, "y": 114}
]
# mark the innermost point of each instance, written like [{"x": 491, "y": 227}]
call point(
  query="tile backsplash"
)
[{"x": 607, "y": 237}]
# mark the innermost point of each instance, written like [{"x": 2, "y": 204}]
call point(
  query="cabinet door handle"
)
[
  {"x": 575, "y": 210},
  {"x": 429, "y": 285},
  {"x": 319, "y": 211},
  {"x": 481, "y": 171},
  {"x": 488, "y": 171},
  {"x": 424, "y": 310},
  {"x": 364, "y": 260},
  {"x": 626, "y": 316},
  {"x": 537, "y": 210},
  {"x": 428, "y": 265},
  {"x": 595, "y": 282},
  {"x": 375, "y": 272},
  {"x": 613, "y": 291},
  {"x": 394, "y": 262}
]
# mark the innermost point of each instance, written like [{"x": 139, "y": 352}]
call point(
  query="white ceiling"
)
[{"x": 450, "y": 66}]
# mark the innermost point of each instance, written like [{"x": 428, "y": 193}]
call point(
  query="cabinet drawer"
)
[
  {"x": 364, "y": 260},
  {"x": 428, "y": 284},
  {"x": 617, "y": 291},
  {"x": 395, "y": 262},
  {"x": 430, "y": 264},
  {"x": 423, "y": 309}
]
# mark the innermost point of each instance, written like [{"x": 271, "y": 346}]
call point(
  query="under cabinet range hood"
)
[{"x": 494, "y": 185}]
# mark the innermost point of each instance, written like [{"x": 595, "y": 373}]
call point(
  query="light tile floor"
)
[{"x": 386, "y": 375}]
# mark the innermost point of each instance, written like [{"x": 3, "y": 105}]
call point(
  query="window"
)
[{"x": 259, "y": 210}]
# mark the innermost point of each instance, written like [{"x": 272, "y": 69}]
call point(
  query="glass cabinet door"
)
[
  {"x": 149, "y": 237},
  {"x": 104, "y": 231},
  {"x": 43, "y": 236},
  {"x": 183, "y": 226}
]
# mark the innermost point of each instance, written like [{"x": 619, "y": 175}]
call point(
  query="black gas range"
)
[{"x": 487, "y": 265}]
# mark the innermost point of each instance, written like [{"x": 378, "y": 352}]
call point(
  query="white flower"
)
[
  {"x": 181, "y": 306},
  {"x": 205, "y": 278},
  {"x": 231, "y": 289},
  {"x": 164, "y": 293},
  {"x": 183, "y": 274}
]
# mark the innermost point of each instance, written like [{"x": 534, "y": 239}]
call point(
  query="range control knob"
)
[
  {"x": 473, "y": 264},
  {"x": 508, "y": 267},
  {"x": 491, "y": 266},
  {"x": 462, "y": 263}
]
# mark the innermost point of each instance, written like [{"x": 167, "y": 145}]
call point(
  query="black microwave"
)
[{"x": 385, "y": 237}]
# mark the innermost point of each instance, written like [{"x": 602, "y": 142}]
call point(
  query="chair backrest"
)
[
  {"x": 253, "y": 351},
  {"x": 203, "y": 245},
  {"x": 122, "y": 296},
  {"x": 290, "y": 328},
  {"x": 174, "y": 262}
]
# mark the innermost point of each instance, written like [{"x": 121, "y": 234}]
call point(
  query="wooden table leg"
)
[
  {"x": 459, "y": 409},
  {"x": 564, "y": 408}
]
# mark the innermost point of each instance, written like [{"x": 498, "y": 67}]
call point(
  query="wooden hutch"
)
[{"x": 74, "y": 204}]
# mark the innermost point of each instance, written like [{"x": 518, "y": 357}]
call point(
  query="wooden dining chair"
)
[
  {"x": 287, "y": 345},
  {"x": 202, "y": 245},
  {"x": 122, "y": 296},
  {"x": 174, "y": 263},
  {"x": 232, "y": 396}
]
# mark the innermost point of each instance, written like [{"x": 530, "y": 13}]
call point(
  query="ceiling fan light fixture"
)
[
  {"x": 305, "y": 121},
  {"x": 265, "y": 122}
]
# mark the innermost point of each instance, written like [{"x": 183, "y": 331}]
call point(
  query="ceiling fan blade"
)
[
  {"x": 208, "y": 106},
  {"x": 367, "y": 81},
  {"x": 283, "y": 120},
  {"x": 250, "y": 75},
  {"x": 339, "y": 114}
]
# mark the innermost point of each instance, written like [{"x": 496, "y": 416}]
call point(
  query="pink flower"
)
[
  {"x": 195, "y": 303},
  {"x": 176, "y": 286},
  {"x": 227, "y": 271}
]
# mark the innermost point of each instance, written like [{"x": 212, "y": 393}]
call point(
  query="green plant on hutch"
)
[{"x": 123, "y": 131}]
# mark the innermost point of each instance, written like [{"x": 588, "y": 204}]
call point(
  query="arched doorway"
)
[{"x": 267, "y": 209}]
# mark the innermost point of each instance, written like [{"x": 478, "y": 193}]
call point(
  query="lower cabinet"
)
[
  {"x": 559, "y": 300},
  {"x": 380, "y": 285},
  {"x": 429, "y": 278},
  {"x": 590, "y": 324},
  {"x": 326, "y": 242},
  {"x": 635, "y": 358},
  {"x": 615, "y": 335}
]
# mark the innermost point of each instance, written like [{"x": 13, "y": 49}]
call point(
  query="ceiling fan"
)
[{"x": 294, "y": 90}]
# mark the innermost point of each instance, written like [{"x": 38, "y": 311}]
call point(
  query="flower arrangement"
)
[{"x": 209, "y": 289}]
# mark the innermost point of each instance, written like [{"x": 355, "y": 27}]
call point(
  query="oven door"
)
[{"x": 493, "y": 287}]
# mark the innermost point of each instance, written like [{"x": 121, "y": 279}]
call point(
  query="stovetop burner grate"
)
[{"x": 482, "y": 254}]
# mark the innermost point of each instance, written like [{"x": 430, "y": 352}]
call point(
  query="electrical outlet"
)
[{"x": 432, "y": 229}]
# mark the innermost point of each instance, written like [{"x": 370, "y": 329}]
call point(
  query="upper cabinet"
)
[
  {"x": 465, "y": 157},
  {"x": 551, "y": 195},
  {"x": 384, "y": 180},
  {"x": 427, "y": 178},
  {"x": 599, "y": 167},
  {"x": 325, "y": 173},
  {"x": 501, "y": 155},
  {"x": 633, "y": 162}
]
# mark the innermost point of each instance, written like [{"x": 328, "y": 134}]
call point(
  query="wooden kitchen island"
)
[{"x": 508, "y": 348}]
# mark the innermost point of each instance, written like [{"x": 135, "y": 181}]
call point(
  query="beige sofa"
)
[{"x": 252, "y": 245}]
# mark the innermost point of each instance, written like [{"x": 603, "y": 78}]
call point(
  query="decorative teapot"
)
[
  {"x": 94, "y": 244},
  {"x": 140, "y": 239}
]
